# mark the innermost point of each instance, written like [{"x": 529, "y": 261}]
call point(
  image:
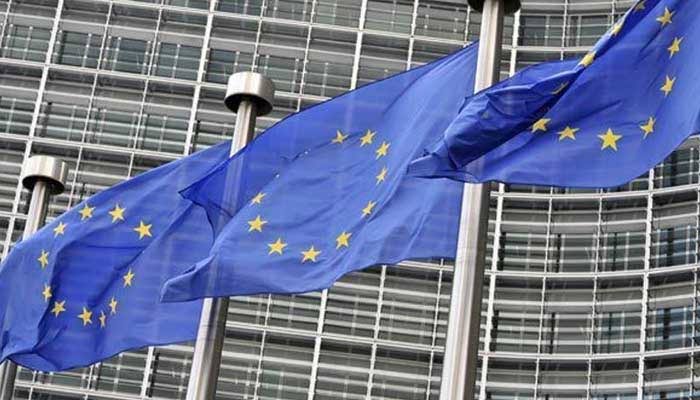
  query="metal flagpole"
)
[
  {"x": 462, "y": 346},
  {"x": 44, "y": 176},
  {"x": 249, "y": 95}
]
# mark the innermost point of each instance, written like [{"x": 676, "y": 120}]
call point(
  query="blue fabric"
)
[
  {"x": 86, "y": 265},
  {"x": 621, "y": 123},
  {"x": 315, "y": 172}
]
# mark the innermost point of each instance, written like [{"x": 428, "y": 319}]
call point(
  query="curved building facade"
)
[{"x": 588, "y": 294}]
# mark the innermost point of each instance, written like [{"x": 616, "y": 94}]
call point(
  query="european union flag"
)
[
  {"x": 596, "y": 122},
  {"x": 326, "y": 190},
  {"x": 87, "y": 286}
]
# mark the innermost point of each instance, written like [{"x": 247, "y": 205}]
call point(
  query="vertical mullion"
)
[
  {"x": 645, "y": 287},
  {"x": 91, "y": 101},
  {"x": 39, "y": 96},
  {"x": 6, "y": 22},
  {"x": 149, "y": 70},
  {"x": 693, "y": 332},
  {"x": 317, "y": 344},
  {"x": 493, "y": 275},
  {"x": 201, "y": 70},
  {"x": 147, "y": 372},
  {"x": 544, "y": 278},
  {"x": 467, "y": 20},
  {"x": 8, "y": 235},
  {"x": 591, "y": 337},
  {"x": 358, "y": 45},
  {"x": 594, "y": 307},
  {"x": 436, "y": 320},
  {"x": 537, "y": 377},
  {"x": 263, "y": 340},
  {"x": 514, "y": 45},
  {"x": 411, "y": 38},
  {"x": 258, "y": 35},
  {"x": 696, "y": 255},
  {"x": 86, "y": 50},
  {"x": 375, "y": 336},
  {"x": 564, "y": 28},
  {"x": 305, "y": 61},
  {"x": 543, "y": 296}
]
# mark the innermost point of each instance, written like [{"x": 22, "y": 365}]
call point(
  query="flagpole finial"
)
[
  {"x": 48, "y": 169},
  {"x": 250, "y": 86},
  {"x": 510, "y": 6}
]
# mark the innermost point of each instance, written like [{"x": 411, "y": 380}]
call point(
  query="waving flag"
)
[
  {"x": 337, "y": 198},
  {"x": 596, "y": 122},
  {"x": 87, "y": 286}
]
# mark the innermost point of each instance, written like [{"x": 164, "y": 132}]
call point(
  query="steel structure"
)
[
  {"x": 249, "y": 95},
  {"x": 461, "y": 354},
  {"x": 587, "y": 294}
]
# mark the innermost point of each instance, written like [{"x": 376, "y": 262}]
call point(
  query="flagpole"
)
[
  {"x": 462, "y": 346},
  {"x": 44, "y": 176},
  {"x": 249, "y": 95}
]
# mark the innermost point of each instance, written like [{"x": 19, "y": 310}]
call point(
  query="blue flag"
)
[
  {"x": 596, "y": 122},
  {"x": 87, "y": 286},
  {"x": 325, "y": 192}
]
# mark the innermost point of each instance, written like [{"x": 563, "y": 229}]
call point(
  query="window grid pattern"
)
[{"x": 588, "y": 294}]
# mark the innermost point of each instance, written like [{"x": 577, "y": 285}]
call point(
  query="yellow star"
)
[
  {"x": 310, "y": 254},
  {"x": 343, "y": 240},
  {"x": 277, "y": 247},
  {"x": 58, "y": 308},
  {"x": 367, "y": 138},
  {"x": 540, "y": 125},
  {"x": 382, "y": 175},
  {"x": 675, "y": 47},
  {"x": 568, "y": 132},
  {"x": 368, "y": 208},
  {"x": 143, "y": 230},
  {"x": 648, "y": 127},
  {"x": 86, "y": 212},
  {"x": 47, "y": 293},
  {"x": 667, "y": 88},
  {"x": 609, "y": 140},
  {"x": 587, "y": 59},
  {"x": 382, "y": 150},
  {"x": 256, "y": 224},
  {"x": 113, "y": 306},
  {"x": 258, "y": 198},
  {"x": 103, "y": 319},
  {"x": 640, "y": 6},
  {"x": 43, "y": 259},
  {"x": 666, "y": 18},
  {"x": 86, "y": 316},
  {"x": 617, "y": 28},
  {"x": 560, "y": 88},
  {"x": 117, "y": 214},
  {"x": 60, "y": 229},
  {"x": 128, "y": 278},
  {"x": 339, "y": 137}
]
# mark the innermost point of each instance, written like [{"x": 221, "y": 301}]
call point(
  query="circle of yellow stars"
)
[
  {"x": 87, "y": 212},
  {"x": 609, "y": 139},
  {"x": 311, "y": 254}
]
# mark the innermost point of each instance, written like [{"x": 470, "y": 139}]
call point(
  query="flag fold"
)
[
  {"x": 600, "y": 121},
  {"x": 326, "y": 193},
  {"x": 87, "y": 285}
]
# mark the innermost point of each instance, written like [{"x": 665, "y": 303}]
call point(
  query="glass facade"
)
[{"x": 588, "y": 294}]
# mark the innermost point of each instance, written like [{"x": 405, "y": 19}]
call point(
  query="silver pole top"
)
[
  {"x": 250, "y": 86},
  {"x": 510, "y": 6},
  {"x": 45, "y": 168}
]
